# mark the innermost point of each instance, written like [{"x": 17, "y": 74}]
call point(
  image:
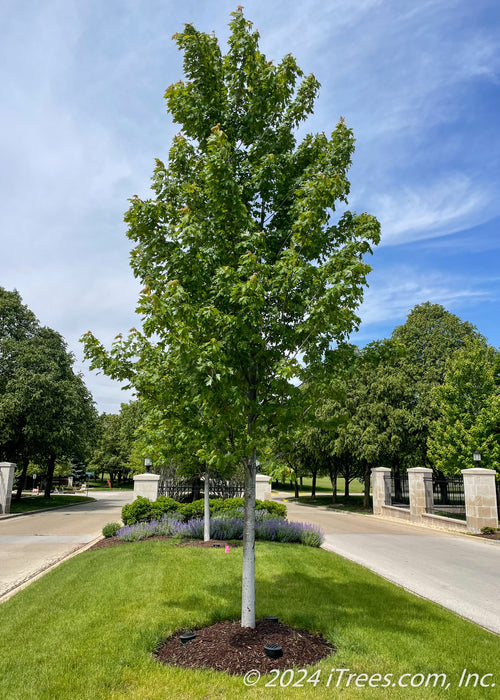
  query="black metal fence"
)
[
  {"x": 400, "y": 493},
  {"x": 448, "y": 491},
  {"x": 187, "y": 490}
]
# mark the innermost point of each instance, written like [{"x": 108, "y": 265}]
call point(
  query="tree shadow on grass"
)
[{"x": 335, "y": 600}]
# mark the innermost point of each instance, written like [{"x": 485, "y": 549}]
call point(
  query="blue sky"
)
[{"x": 82, "y": 118}]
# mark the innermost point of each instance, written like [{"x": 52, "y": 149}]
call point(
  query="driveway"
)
[
  {"x": 32, "y": 543},
  {"x": 459, "y": 572}
]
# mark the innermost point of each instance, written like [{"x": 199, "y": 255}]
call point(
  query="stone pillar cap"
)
[
  {"x": 147, "y": 477},
  {"x": 417, "y": 470},
  {"x": 381, "y": 469},
  {"x": 479, "y": 471}
]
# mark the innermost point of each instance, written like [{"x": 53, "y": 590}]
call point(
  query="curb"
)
[{"x": 45, "y": 569}]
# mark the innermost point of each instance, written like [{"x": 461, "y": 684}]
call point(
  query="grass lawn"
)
[
  {"x": 351, "y": 503},
  {"x": 103, "y": 486},
  {"x": 29, "y": 503},
  {"x": 323, "y": 485},
  {"x": 86, "y": 630}
]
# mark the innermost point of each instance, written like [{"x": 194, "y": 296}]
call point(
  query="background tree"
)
[
  {"x": 467, "y": 408},
  {"x": 242, "y": 265},
  {"x": 115, "y": 440},
  {"x": 17, "y": 324},
  {"x": 46, "y": 412},
  {"x": 430, "y": 336},
  {"x": 79, "y": 473},
  {"x": 367, "y": 437}
]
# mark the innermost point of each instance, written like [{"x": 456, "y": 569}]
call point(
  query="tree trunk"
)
[
  {"x": 248, "y": 577},
  {"x": 196, "y": 492},
  {"x": 366, "y": 495},
  {"x": 313, "y": 486},
  {"x": 50, "y": 475},
  {"x": 347, "y": 474},
  {"x": 333, "y": 471},
  {"x": 22, "y": 478},
  {"x": 206, "y": 508},
  {"x": 296, "y": 487}
]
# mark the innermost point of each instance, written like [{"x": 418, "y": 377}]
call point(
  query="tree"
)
[
  {"x": 51, "y": 402},
  {"x": 244, "y": 270},
  {"x": 79, "y": 473},
  {"x": 467, "y": 406},
  {"x": 46, "y": 412},
  {"x": 17, "y": 325},
  {"x": 369, "y": 436},
  {"x": 430, "y": 336},
  {"x": 116, "y": 435}
]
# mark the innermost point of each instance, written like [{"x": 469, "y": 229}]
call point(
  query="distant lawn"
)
[
  {"x": 323, "y": 485},
  {"x": 87, "y": 629},
  {"x": 351, "y": 503},
  {"x": 29, "y": 503},
  {"x": 103, "y": 486}
]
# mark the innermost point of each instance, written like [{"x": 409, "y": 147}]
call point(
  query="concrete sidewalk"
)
[
  {"x": 33, "y": 543},
  {"x": 459, "y": 572}
]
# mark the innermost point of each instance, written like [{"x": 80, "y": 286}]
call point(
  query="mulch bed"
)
[
  {"x": 216, "y": 544},
  {"x": 489, "y": 536},
  {"x": 226, "y": 646}
]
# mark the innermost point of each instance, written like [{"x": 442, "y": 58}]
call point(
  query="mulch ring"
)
[
  {"x": 226, "y": 646},
  {"x": 216, "y": 544}
]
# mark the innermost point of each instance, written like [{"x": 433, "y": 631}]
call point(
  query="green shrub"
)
[
  {"x": 142, "y": 509},
  {"x": 138, "y": 511},
  {"x": 230, "y": 504},
  {"x": 215, "y": 504},
  {"x": 188, "y": 511},
  {"x": 277, "y": 510},
  {"x": 487, "y": 530},
  {"x": 228, "y": 514},
  {"x": 110, "y": 529},
  {"x": 164, "y": 504}
]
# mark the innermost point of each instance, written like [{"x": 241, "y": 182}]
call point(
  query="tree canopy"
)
[
  {"x": 430, "y": 336},
  {"x": 115, "y": 440},
  {"x": 467, "y": 405},
  {"x": 46, "y": 411},
  {"x": 248, "y": 273}
]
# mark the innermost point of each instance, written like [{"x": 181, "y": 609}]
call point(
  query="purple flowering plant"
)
[{"x": 273, "y": 530}]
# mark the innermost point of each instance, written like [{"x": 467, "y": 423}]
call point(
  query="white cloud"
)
[
  {"x": 394, "y": 291},
  {"x": 438, "y": 208}
]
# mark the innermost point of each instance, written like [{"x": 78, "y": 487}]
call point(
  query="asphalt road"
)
[
  {"x": 33, "y": 543},
  {"x": 459, "y": 572}
]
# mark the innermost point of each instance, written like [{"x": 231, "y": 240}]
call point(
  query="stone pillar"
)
[
  {"x": 146, "y": 485},
  {"x": 7, "y": 470},
  {"x": 480, "y": 499},
  {"x": 420, "y": 489},
  {"x": 263, "y": 487},
  {"x": 381, "y": 489}
]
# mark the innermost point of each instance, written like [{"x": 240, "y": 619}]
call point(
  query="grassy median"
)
[{"x": 88, "y": 628}]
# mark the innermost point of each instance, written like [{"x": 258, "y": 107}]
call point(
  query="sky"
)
[{"x": 82, "y": 118}]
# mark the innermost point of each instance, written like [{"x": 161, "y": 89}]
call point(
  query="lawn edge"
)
[{"x": 45, "y": 569}]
